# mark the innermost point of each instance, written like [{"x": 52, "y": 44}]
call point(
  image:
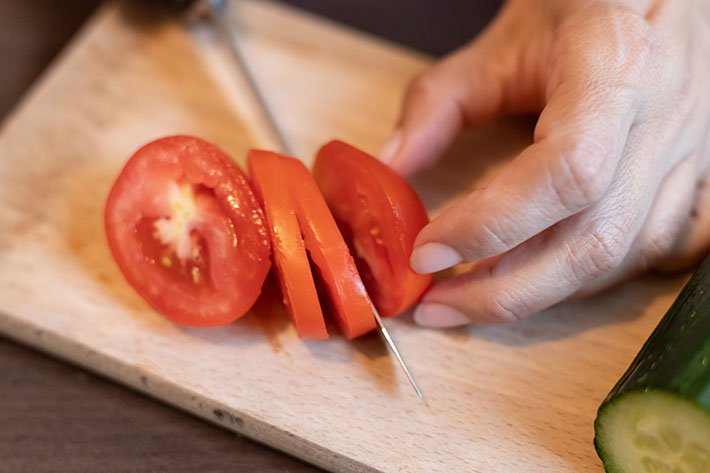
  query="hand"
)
[{"x": 616, "y": 180}]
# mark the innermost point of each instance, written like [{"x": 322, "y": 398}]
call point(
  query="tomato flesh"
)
[
  {"x": 380, "y": 215},
  {"x": 321, "y": 238},
  {"x": 350, "y": 302},
  {"x": 289, "y": 251},
  {"x": 183, "y": 225}
]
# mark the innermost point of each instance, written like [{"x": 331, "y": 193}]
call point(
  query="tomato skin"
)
[
  {"x": 289, "y": 251},
  {"x": 350, "y": 302},
  {"x": 214, "y": 273},
  {"x": 380, "y": 215},
  {"x": 321, "y": 237}
]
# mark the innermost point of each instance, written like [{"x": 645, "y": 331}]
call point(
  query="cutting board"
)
[{"x": 499, "y": 399}]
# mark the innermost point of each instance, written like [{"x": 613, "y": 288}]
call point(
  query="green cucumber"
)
[{"x": 657, "y": 417}]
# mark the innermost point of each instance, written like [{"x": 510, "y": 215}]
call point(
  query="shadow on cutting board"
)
[
  {"x": 367, "y": 351},
  {"x": 265, "y": 322},
  {"x": 472, "y": 161},
  {"x": 618, "y": 305}
]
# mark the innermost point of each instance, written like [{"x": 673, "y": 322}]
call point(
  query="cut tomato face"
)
[
  {"x": 380, "y": 215},
  {"x": 323, "y": 241},
  {"x": 289, "y": 251},
  {"x": 187, "y": 232},
  {"x": 331, "y": 255}
]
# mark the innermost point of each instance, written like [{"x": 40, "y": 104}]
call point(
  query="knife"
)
[{"x": 217, "y": 13}]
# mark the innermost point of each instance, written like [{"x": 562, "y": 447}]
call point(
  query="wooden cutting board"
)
[{"x": 520, "y": 397}]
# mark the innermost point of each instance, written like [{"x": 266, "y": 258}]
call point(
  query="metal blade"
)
[
  {"x": 219, "y": 11},
  {"x": 395, "y": 351}
]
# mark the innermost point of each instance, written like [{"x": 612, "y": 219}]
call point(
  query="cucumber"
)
[{"x": 656, "y": 419}]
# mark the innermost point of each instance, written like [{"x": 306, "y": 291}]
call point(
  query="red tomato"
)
[
  {"x": 290, "y": 258},
  {"x": 187, "y": 232},
  {"x": 380, "y": 215},
  {"x": 330, "y": 253},
  {"x": 325, "y": 244}
]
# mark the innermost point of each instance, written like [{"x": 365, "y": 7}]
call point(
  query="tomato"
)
[
  {"x": 187, "y": 232},
  {"x": 330, "y": 253},
  {"x": 289, "y": 251},
  {"x": 380, "y": 215},
  {"x": 327, "y": 249}
]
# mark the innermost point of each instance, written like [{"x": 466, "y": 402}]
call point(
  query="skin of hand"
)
[{"x": 617, "y": 178}]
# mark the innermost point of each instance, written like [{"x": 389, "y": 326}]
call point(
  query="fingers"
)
[
  {"x": 640, "y": 222},
  {"x": 549, "y": 267},
  {"x": 545, "y": 270},
  {"x": 474, "y": 84},
  {"x": 602, "y": 193},
  {"x": 580, "y": 137},
  {"x": 694, "y": 241},
  {"x": 665, "y": 231},
  {"x": 594, "y": 95}
]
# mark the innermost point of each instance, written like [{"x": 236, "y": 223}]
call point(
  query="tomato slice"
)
[
  {"x": 187, "y": 232},
  {"x": 327, "y": 249},
  {"x": 380, "y": 215},
  {"x": 330, "y": 253},
  {"x": 290, "y": 258}
]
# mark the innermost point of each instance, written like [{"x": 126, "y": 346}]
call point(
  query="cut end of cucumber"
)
[{"x": 653, "y": 432}]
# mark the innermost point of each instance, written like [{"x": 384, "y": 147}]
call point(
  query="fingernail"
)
[
  {"x": 391, "y": 146},
  {"x": 433, "y": 257},
  {"x": 430, "y": 314}
]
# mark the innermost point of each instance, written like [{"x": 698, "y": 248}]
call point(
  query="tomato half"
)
[
  {"x": 187, "y": 232},
  {"x": 380, "y": 215},
  {"x": 290, "y": 258},
  {"x": 327, "y": 249}
]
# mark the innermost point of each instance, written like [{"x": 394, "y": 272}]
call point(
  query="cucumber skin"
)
[{"x": 676, "y": 357}]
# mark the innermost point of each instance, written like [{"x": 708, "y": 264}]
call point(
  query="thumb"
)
[{"x": 473, "y": 85}]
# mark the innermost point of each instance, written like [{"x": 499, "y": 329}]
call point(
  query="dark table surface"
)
[{"x": 55, "y": 417}]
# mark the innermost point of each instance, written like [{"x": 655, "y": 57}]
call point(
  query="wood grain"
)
[
  {"x": 57, "y": 417},
  {"x": 510, "y": 398}
]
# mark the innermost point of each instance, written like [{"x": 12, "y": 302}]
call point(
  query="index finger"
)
[{"x": 596, "y": 76}]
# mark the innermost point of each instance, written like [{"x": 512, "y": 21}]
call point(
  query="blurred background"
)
[
  {"x": 32, "y": 32},
  {"x": 56, "y": 417}
]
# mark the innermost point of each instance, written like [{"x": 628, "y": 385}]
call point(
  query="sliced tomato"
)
[
  {"x": 380, "y": 215},
  {"x": 330, "y": 253},
  {"x": 187, "y": 232},
  {"x": 323, "y": 241},
  {"x": 289, "y": 251}
]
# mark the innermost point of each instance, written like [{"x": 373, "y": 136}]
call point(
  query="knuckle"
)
[
  {"x": 607, "y": 250},
  {"x": 504, "y": 307},
  {"x": 602, "y": 250},
  {"x": 490, "y": 239},
  {"x": 625, "y": 38},
  {"x": 639, "y": 37},
  {"x": 582, "y": 173},
  {"x": 422, "y": 88}
]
